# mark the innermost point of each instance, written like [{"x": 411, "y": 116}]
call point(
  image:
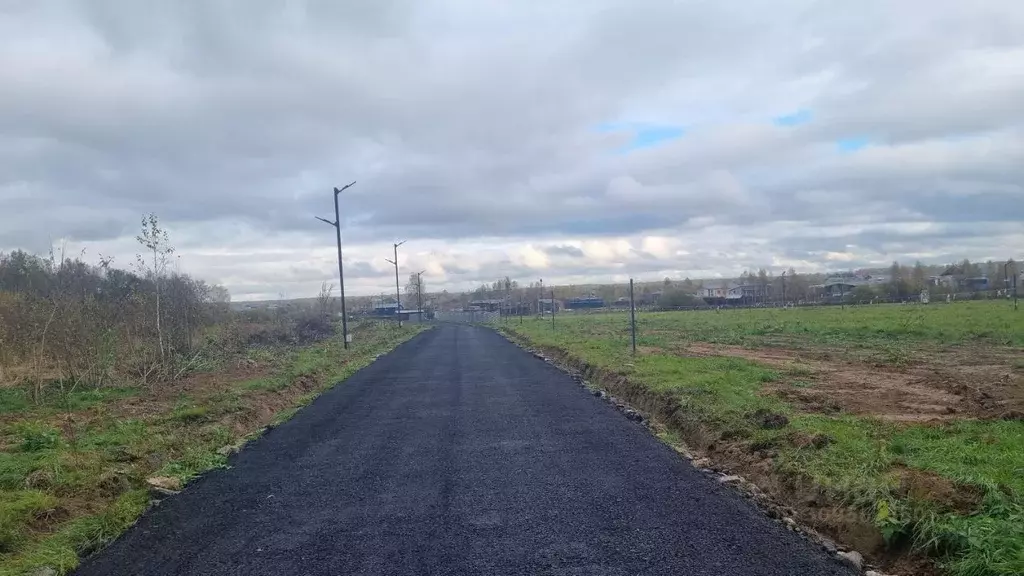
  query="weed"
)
[
  {"x": 13, "y": 400},
  {"x": 17, "y": 511},
  {"x": 190, "y": 413},
  {"x": 36, "y": 436}
]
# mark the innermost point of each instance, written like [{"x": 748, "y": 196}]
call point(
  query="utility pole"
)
[
  {"x": 398, "y": 291},
  {"x": 783, "y": 288},
  {"x": 419, "y": 294},
  {"x": 341, "y": 270},
  {"x": 1006, "y": 277},
  {"x": 540, "y": 296},
  {"x": 632, "y": 316},
  {"x": 552, "y": 308}
]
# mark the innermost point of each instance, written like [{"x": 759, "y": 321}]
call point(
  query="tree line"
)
[{"x": 900, "y": 282}]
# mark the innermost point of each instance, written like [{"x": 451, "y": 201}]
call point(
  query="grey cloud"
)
[
  {"x": 462, "y": 123},
  {"x": 559, "y": 250}
]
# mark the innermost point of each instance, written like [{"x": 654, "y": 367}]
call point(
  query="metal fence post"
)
[
  {"x": 632, "y": 316},
  {"x": 552, "y": 308}
]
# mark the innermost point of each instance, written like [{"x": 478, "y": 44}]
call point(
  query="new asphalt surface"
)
[{"x": 459, "y": 453}]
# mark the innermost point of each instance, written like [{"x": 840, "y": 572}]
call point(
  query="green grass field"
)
[{"x": 953, "y": 489}]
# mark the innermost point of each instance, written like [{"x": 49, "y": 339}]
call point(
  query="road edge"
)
[{"x": 631, "y": 407}]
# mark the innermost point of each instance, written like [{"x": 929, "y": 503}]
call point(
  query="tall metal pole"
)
[
  {"x": 419, "y": 293},
  {"x": 783, "y": 288},
  {"x": 1015, "y": 286},
  {"x": 341, "y": 269},
  {"x": 398, "y": 291},
  {"x": 540, "y": 296},
  {"x": 632, "y": 316},
  {"x": 552, "y": 308}
]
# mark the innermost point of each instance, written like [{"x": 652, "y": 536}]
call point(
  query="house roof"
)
[{"x": 845, "y": 281}]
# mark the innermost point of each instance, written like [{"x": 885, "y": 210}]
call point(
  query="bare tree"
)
[
  {"x": 154, "y": 238},
  {"x": 323, "y": 299}
]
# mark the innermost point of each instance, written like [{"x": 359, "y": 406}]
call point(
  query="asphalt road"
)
[{"x": 459, "y": 453}]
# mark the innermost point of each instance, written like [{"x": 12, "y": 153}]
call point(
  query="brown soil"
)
[
  {"x": 649, "y": 350},
  {"x": 949, "y": 496},
  {"x": 955, "y": 384}
]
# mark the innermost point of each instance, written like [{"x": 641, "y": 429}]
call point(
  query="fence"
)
[{"x": 466, "y": 317}]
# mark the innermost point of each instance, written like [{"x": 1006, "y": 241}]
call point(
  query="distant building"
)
[
  {"x": 722, "y": 293},
  {"x": 840, "y": 286},
  {"x": 547, "y": 304},
  {"x": 492, "y": 305},
  {"x": 584, "y": 303},
  {"x": 844, "y": 284},
  {"x": 385, "y": 308},
  {"x": 956, "y": 277},
  {"x": 977, "y": 284}
]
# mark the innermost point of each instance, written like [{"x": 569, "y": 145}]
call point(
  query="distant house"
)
[
  {"x": 722, "y": 293},
  {"x": 840, "y": 286},
  {"x": 648, "y": 299},
  {"x": 977, "y": 284},
  {"x": 844, "y": 284},
  {"x": 584, "y": 303},
  {"x": 385, "y": 308},
  {"x": 955, "y": 277},
  {"x": 547, "y": 304},
  {"x": 752, "y": 292}
]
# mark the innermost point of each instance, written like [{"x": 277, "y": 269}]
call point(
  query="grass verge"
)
[
  {"x": 73, "y": 477},
  {"x": 951, "y": 491}
]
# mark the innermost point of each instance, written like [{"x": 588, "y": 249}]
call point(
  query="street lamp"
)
[
  {"x": 341, "y": 270},
  {"x": 398, "y": 292},
  {"x": 419, "y": 294}
]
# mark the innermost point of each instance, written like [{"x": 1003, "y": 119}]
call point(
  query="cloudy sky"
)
[{"x": 569, "y": 140}]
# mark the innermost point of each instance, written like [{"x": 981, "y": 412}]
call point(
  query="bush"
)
[
  {"x": 313, "y": 328},
  {"x": 36, "y": 436},
  {"x": 680, "y": 299}
]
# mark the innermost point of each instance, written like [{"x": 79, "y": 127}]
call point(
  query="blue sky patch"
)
[
  {"x": 795, "y": 119},
  {"x": 653, "y": 135},
  {"x": 852, "y": 144},
  {"x": 644, "y": 135}
]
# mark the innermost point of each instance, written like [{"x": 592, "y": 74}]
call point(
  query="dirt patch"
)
[
  {"x": 924, "y": 392},
  {"x": 947, "y": 495},
  {"x": 649, "y": 350}
]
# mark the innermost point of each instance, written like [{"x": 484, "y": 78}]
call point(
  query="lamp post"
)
[
  {"x": 419, "y": 294},
  {"x": 341, "y": 269},
  {"x": 398, "y": 291}
]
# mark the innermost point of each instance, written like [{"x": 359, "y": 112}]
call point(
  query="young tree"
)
[
  {"x": 323, "y": 299},
  {"x": 919, "y": 277},
  {"x": 155, "y": 240}
]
